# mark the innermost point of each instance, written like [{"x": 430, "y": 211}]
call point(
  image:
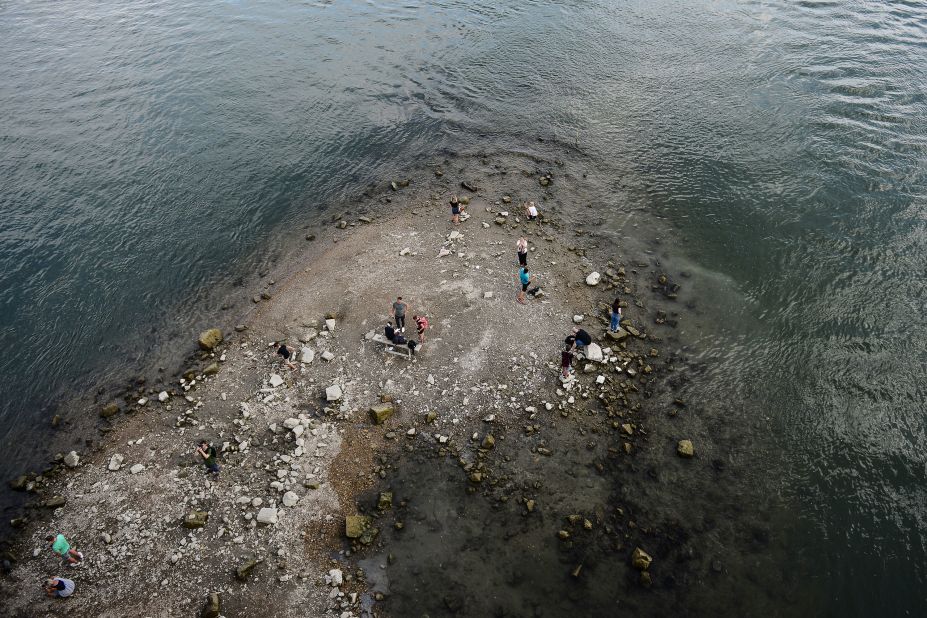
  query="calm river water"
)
[{"x": 154, "y": 152}]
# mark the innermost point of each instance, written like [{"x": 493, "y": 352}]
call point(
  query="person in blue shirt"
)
[{"x": 525, "y": 278}]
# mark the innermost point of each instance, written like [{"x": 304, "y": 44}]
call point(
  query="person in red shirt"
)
[{"x": 421, "y": 322}]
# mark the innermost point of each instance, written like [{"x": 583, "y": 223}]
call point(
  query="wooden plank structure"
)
[{"x": 391, "y": 348}]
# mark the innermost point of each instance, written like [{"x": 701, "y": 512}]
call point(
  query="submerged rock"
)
[
  {"x": 109, "y": 410},
  {"x": 685, "y": 449},
  {"x": 209, "y": 339},
  {"x": 640, "y": 559}
]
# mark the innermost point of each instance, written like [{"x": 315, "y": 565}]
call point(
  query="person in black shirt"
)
[
  {"x": 389, "y": 331},
  {"x": 287, "y": 354},
  {"x": 581, "y": 338},
  {"x": 208, "y": 453}
]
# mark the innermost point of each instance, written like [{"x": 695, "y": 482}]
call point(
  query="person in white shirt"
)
[{"x": 531, "y": 211}]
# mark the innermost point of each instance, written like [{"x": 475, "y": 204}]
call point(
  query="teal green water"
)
[{"x": 152, "y": 151}]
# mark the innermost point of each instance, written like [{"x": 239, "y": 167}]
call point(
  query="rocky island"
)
[{"x": 470, "y": 480}]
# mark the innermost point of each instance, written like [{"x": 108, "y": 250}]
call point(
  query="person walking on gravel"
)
[
  {"x": 62, "y": 547},
  {"x": 399, "y": 313}
]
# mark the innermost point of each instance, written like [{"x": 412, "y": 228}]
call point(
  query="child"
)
[
  {"x": 456, "y": 209},
  {"x": 566, "y": 361},
  {"x": 421, "y": 322},
  {"x": 62, "y": 547}
]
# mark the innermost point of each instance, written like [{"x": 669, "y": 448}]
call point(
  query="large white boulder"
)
[{"x": 594, "y": 353}]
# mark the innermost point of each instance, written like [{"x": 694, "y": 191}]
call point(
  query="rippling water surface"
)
[{"x": 153, "y": 151}]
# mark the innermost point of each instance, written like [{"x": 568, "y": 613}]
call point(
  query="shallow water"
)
[{"x": 156, "y": 154}]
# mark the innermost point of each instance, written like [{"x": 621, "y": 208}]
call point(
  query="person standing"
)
[
  {"x": 566, "y": 361},
  {"x": 62, "y": 547},
  {"x": 421, "y": 323},
  {"x": 208, "y": 453},
  {"x": 59, "y": 587},
  {"x": 525, "y": 278},
  {"x": 521, "y": 246},
  {"x": 399, "y": 313},
  {"x": 456, "y": 208},
  {"x": 616, "y": 316}
]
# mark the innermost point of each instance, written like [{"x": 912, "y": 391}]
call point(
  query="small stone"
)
[
  {"x": 142, "y": 402},
  {"x": 275, "y": 380},
  {"x": 115, "y": 462},
  {"x": 600, "y": 379},
  {"x": 290, "y": 499},
  {"x": 685, "y": 449},
  {"x": 211, "y": 369},
  {"x": 488, "y": 442},
  {"x": 72, "y": 460},
  {"x": 333, "y": 393},
  {"x": 381, "y": 412},
  {"x": 109, "y": 410},
  {"x": 627, "y": 428},
  {"x": 487, "y": 295},
  {"x": 243, "y": 571},
  {"x": 336, "y": 577},
  {"x": 330, "y": 324},
  {"x": 267, "y": 516},
  {"x": 405, "y": 251},
  {"x": 578, "y": 318},
  {"x": 209, "y": 339},
  {"x": 213, "y": 606},
  {"x": 355, "y": 526},
  {"x": 163, "y": 396},
  {"x": 136, "y": 468},
  {"x": 240, "y": 328},
  {"x": 593, "y": 278},
  {"x": 195, "y": 519},
  {"x": 327, "y": 356}
]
